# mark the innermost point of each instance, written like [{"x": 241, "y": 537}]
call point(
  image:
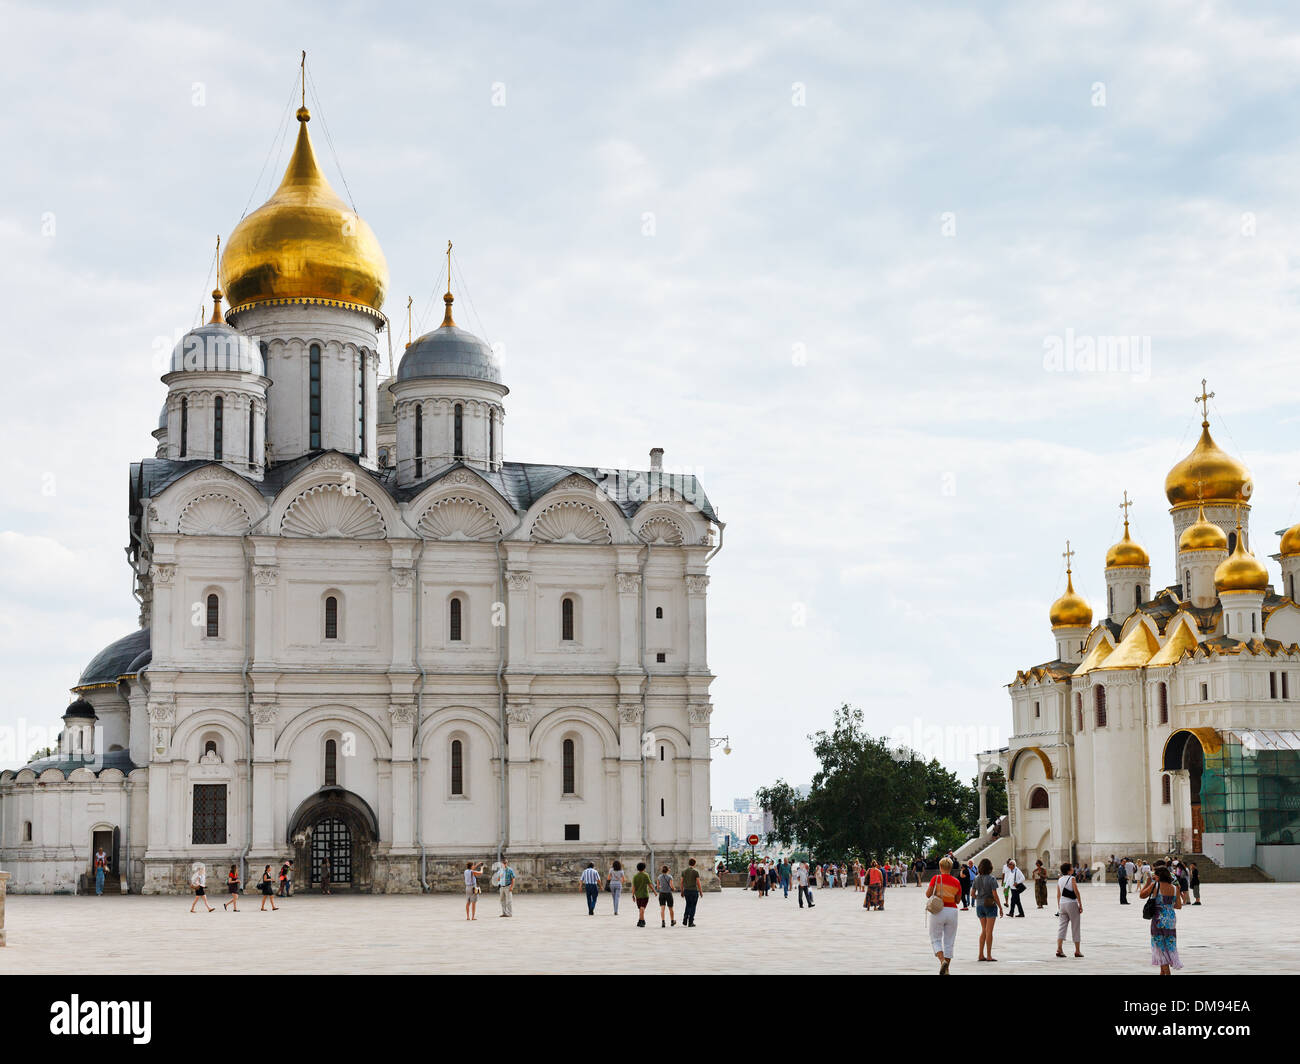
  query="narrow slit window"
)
[
  {"x": 1099, "y": 701},
  {"x": 314, "y": 395},
  {"x": 457, "y": 767},
  {"x": 459, "y": 430},
  {"x": 570, "y": 767},
  {"x": 566, "y": 620},
  {"x": 331, "y": 763},
  {"x": 331, "y": 617},
  {"x": 214, "y": 616},
  {"x": 218, "y": 410},
  {"x": 252, "y": 430},
  {"x": 419, "y": 442},
  {"x": 454, "y": 621},
  {"x": 361, "y": 402},
  {"x": 185, "y": 424}
]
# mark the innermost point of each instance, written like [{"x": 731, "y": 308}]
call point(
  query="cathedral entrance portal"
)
[
  {"x": 337, "y": 826},
  {"x": 1184, "y": 751}
]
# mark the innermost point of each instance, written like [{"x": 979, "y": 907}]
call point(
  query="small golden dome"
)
[
  {"x": 1291, "y": 542},
  {"x": 1070, "y": 609},
  {"x": 1127, "y": 554},
  {"x": 1202, "y": 535},
  {"x": 1208, "y": 473},
  {"x": 1241, "y": 570},
  {"x": 304, "y": 243}
]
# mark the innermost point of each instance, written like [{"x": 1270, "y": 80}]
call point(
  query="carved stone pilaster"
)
[
  {"x": 629, "y": 583},
  {"x": 266, "y": 575},
  {"x": 163, "y": 575},
  {"x": 403, "y": 576},
  {"x": 629, "y": 712},
  {"x": 519, "y": 714},
  {"x": 700, "y": 712},
  {"x": 697, "y": 583},
  {"x": 162, "y": 716},
  {"x": 402, "y": 713},
  {"x": 518, "y": 581},
  {"x": 264, "y": 713}
]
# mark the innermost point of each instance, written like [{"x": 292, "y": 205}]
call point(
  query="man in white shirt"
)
[
  {"x": 1014, "y": 879},
  {"x": 801, "y": 881},
  {"x": 591, "y": 886}
]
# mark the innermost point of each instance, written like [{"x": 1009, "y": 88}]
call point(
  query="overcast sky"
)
[{"x": 820, "y": 253}]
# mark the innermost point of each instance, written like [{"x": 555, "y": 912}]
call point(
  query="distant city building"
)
[{"x": 742, "y": 805}]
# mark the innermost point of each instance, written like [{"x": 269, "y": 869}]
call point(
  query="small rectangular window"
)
[
  {"x": 571, "y": 833},
  {"x": 1037, "y": 710},
  {"x": 1284, "y": 686},
  {"x": 661, "y": 657},
  {"x": 1205, "y": 692},
  {"x": 1272, "y": 685},
  {"x": 661, "y": 807}
]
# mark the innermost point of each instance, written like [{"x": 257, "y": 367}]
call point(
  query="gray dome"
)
[
  {"x": 162, "y": 416},
  {"x": 113, "y": 661},
  {"x": 449, "y": 351},
  {"x": 80, "y": 708},
  {"x": 387, "y": 409},
  {"x": 216, "y": 346}
]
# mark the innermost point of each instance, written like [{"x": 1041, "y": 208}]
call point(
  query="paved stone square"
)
[{"x": 1240, "y": 929}]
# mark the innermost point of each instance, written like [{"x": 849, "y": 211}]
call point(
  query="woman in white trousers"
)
[
  {"x": 1070, "y": 906},
  {"x": 943, "y": 924}
]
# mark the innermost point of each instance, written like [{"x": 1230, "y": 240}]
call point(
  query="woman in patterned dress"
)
[{"x": 1164, "y": 936}]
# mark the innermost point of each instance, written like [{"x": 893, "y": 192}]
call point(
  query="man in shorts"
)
[{"x": 641, "y": 892}]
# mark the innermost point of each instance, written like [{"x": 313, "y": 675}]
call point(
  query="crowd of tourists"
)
[{"x": 266, "y": 886}]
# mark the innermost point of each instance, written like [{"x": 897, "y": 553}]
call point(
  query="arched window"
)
[
  {"x": 454, "y": 632},
  {"x": 1038, "y": 710},
  {"x": 252, "y": 429},
  {"x": 659, "y": 613},
  {"x": 1099, "y": 703},
  {"x": 1137, "y": 596},
  {"x": 458, "y": 431},
  {"x": 419, "y": 441},
  {"x": 1232, "y": 542},
  {"x": 1187, "y": 583},
  {"x": 566, "y": 619},
  {"x": 185, "y": 424},
  {"x": 457, "y": 767},
  {"x": 1078, "y": 705},
  {"x": 314, "y": 395},
  {"x": 1110, "y": 600},
  {"x": 27, "y": 831},
  {"x": 214, "y": 617},
  {"x": 1166, "y": 791},
  {"x": 1163, "y": 694},
  {"x": 1292, "y": 580},
  {"x": 331, "y": 763},
  {"x": 492, "y": 437},
  {"x": 210, "y": 747},
  {"x": 1252, "y": 623},
  {"x": 331, "y": 617},
  {"x": 218, "y": 407},
  {"x": 661, "y": 807},
  {"x": 361, "y": 401},
  {"x": 570, "y": 767},
  {"x": 1038, "y": 798}
]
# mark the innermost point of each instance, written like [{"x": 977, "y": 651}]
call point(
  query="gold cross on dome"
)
[
  {"x": 1204, "y": 399},
  {"x": 1125, "y": 505},
  {"x": 448, "y": 267},
  {"x": 1068, "y": 555}
]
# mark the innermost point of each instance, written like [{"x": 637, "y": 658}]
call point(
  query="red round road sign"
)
[{"x": 752, "y": 840}]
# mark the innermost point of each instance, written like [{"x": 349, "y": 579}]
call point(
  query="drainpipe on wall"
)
[
  {"x": 645, "y": 688},
  {"x": 416, "y": 596},
  {"x": 503, "y": 836},
  {"x": 248, "y": 699}
]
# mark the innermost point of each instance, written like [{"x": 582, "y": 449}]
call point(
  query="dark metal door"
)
[{"x": 331, "y": 838}]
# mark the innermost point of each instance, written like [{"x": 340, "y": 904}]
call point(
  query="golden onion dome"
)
[
  {"x": 1127, "y": 553},
  {"x": 1202, "y": 535},
  {"x": 304, "y": 244},
  {"x": 1208, "y": 473},
  {"x": 1071, "y": 609},
  {"x": 1240, "y": 570},
  {"x": 1291, "y": 542}
]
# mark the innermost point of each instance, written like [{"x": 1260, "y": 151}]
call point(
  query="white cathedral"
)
[
  {"x": 1173, "y": 724},
  {"x": 364, "y": 634}
]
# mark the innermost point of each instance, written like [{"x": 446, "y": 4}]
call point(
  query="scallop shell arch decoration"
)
[
  {"x": 459, "y": 518},
  {"x": 213, "y": 514},
  {"x": 662, "y": 530},
  {"x": 330, "y": 510},
  {"x": 571, "y": 522}
]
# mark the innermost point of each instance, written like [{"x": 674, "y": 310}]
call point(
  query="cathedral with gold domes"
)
[
  {"x": 369, "y": 642},
  {"x": 1171, "y": 723}
]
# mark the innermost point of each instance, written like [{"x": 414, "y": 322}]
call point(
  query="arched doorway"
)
[
  {"x": 1185, "y": 752},
  {"x": 335, "y": 825}
]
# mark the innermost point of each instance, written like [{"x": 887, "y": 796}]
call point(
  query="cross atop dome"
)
[{"x": 1204, "y": 399}]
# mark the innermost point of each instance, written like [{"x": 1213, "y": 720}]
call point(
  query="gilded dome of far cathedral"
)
[
  {"x": 304, "y": 244},
  {"x": 1071, "y": 608},
  {"x": 1202, "y": 535},
  {"x": 1208, "y": 474},
  {"x": 1240, "y": 570},
  {"x": 1127, "y": 553},
  {"x": 1291, "y": 542}
]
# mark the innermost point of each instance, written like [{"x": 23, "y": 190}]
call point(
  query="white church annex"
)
[
  {"x": 1173, "y": 724},
  {"x": 364, "y": 633}
]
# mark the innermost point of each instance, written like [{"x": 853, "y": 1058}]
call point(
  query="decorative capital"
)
[
  {"x": 266, "y": 575},
  {"x": 403, "y": 576},
  {"x": 697, "y": 583},
  {"x": 629, "y": 712},
  {"x": 459, "y": 477},
  {"x": 629, "y": 583},
  {"x": 332, "y": 461},
  {"x": 164, "y": 575},
  {"x": 264, "y": 712},
  {"x": 153, "y": 515},
  {"x": 162, "y": 712},
  {"x": 402, "y": 713},
  {"x": 700, "y": 712},
  {"x": 519, "y": 714},
  {"x": 518, "y": 581},
  {"x": 213, "y": 473}
]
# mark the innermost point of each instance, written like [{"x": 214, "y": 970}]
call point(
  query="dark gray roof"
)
[
  {"x": 118, "y": 759},
  {"x": 449, "y": 351},
  {"x": 114, "y": 660},
  {"x": 162, "y": 416},
  {"x": 80, "y": 708},
  {"x": 217, "y": 346},
  {"x": 520, "y": 483}
]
